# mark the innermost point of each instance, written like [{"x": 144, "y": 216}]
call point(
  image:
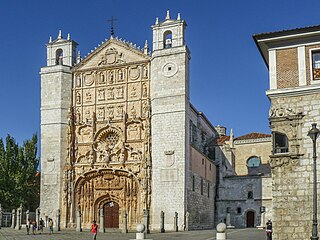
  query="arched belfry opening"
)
[
  {"x": 167, "y": 39},
  {"x": 59, "y": 57}
]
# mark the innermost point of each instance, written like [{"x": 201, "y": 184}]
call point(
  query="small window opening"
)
[
  {"x": 193, "y": 183},
  {"x": 201, "y": 187},
  {"x": 250, "y": 195},
  {"x": 280, "y": 143},
  {"x": 208, "y": 192},
  {"x": 228, "y": 209},
  {"x": 59, "y": 57},
  {"x": 316, "y": 64},
  {"x": 202, "y": 161},
  {"x": 169, "y": 68},
  {"x": 253, "y": 162},
  {"x": 239, "y": 210},
  {"x": 210, "y": 166}
]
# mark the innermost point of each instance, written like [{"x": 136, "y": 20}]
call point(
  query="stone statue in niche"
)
[
  {"x": 144, "y": 90},
  {"x": 133, "y": 112},
  {"x": 120, "y": 92},
  {"x": 88, "y": 97},
  {"x": 110, "y": 111},
  {"x": 133, "y": 92},
  {"x": 146, "y": 109},
  {"x": 111, "y": 77},
  {"x": 121, "y": 75},
  {"x": 110, "y": 94},
  {"x": 145, "y": 72},
  {"x": 133, "y": 131},
  {"x": 102, "y": 78},
  {"x": 120, "y": 111},
  {"x": 78, "y": 98},
  {"x": 122, "y": 154},
  {"x": 78, "y": 81},
  {"x": 78, "y": 116},
  {"x": 101, "y": 94},
  {"x": 87, "y": 115},
  {"x": 101, "y": 112}
]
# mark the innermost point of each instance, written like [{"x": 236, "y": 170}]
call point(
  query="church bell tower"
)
[
  {"x": 169, "y": 121},
  {"x": 56, "y": 85}
]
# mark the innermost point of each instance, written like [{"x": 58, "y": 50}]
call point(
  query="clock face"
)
[{"x": 169, "y": 69}]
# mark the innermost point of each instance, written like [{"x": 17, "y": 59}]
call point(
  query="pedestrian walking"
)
[
  {"x": 34, "y": 226},
  {"x": 41, "y": 225},
  {"x": 269, "y": 229},
  {"x": 94, "y": 230},
  {"x": 50, "y": 226}
]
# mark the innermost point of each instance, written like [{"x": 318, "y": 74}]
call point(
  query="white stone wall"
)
[
  {"x": 55, "y": 103},
  {"x": 170, "y": 137}
]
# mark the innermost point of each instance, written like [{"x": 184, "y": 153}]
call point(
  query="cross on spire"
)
[{"x": 112, "y": 20}]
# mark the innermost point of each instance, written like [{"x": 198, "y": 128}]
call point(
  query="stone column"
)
[
  {"x": 38, "y": 217},
  {"x": 79, "y": 228},
  {"x": 162, "y": 230},
  {"x": 58, "y": 215},
  {"x": 19, "y": 213},
  {"x": 187, "y": 221},
  {"x": 13, "y": 218},
  {"x": 101, "y": 229},
  {"x": 0, "y": 216},
  {"x": 146, "y": 216},
  {"x": 27, "y": 216},
  {"x": 125, "y": 222},
  {"x": 175, "y": 222}
]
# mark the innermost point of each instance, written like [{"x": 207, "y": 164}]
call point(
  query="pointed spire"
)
[
  {"x": 168, "y": 15},
  {"x": 60, "y": 35},
  {"x": 179, "y": 17},
  {"x": 146, "y": 48},
  {"x": 68, "y": 37},
  {"x": 157, "y": 21},
  {"x": 50, "y": 39},
  {"x": 231, "y": 137},
  {"x": 79, "y": 57}
]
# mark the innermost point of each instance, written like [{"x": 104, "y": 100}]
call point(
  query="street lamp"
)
[{"x": 314, "y": 134}]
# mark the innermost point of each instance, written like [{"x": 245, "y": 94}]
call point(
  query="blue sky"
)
[{"x": 228, "y": 75}]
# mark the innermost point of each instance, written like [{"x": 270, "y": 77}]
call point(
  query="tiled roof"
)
[
  {"x": 253, "y": 135},
  {"x": 222, "y": 139},
  {"x": 288, "y": 31}
]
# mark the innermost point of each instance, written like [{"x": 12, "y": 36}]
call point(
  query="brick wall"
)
[{"x": 287, "y": 68}]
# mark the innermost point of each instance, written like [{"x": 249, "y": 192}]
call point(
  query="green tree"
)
[{"x": 19, "y": 177}]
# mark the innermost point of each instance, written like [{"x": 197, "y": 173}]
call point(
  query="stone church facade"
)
[
  {"x": 116, "y": 138},
  {"x": 292, "y": 57}
]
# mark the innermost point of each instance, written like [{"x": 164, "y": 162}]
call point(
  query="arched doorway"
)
[
  {"x": 250, "y": 219},
  {"x": 111, "y": 215}
]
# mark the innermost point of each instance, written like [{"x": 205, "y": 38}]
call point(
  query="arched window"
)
[
  {"x": 280, "y": 143},
  {"x": 167, "y": 39},
  {"x": 253, "y": 162},
  {"x": 59, "y": 57}
]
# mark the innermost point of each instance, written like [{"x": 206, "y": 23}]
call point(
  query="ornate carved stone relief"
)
[{"x": 110, "y": 57}]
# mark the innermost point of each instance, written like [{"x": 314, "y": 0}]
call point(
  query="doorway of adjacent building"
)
[
  {"x": 250, "y": 219},
  {"x": 111, "y": 215}
]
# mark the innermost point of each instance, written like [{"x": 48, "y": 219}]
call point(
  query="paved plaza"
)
[{"x": 234, "y": 234}]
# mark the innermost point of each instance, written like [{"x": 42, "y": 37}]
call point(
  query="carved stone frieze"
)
[{"x": 284, "y": 112}]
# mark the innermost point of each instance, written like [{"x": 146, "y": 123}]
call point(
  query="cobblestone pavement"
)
[{"x": 234, "y": 234}]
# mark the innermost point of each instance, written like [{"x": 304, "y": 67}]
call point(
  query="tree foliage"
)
[{"x": 19, "y": 177}]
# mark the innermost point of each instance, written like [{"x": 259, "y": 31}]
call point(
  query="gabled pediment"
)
[{"x": 112, "y": 53}]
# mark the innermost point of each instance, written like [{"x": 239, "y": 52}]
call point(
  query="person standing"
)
[
  {"x": 94, "y": 230},
  {"x": 50, "y": 226},
  {"x": 34, "y": 227},
  {"x": 269, "y": 229},
  {"x": 41, "y": 224}
]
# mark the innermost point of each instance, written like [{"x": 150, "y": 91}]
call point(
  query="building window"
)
[
  {"x": 202, "y": 161},
  {"x": 167, "y": 39},
  {"x": 210, "y": 166},
  {"x": 250, "y": 195},
  {"x": 193, "y": 183},
  {"x": 208, "y": 190},
  {"x": 201, "y": 187},
  {"x": 253, "y": 162},
  {"x": 280, "y": 143},
  {"x": 316, "y": 64},
  {"x": 228, "y": 209},
  {"x": 59, "y": 57},
  {"x": 239, "y": 210}
]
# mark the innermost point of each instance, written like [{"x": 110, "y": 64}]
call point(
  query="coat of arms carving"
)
[{"x": 110, "y": 57}]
